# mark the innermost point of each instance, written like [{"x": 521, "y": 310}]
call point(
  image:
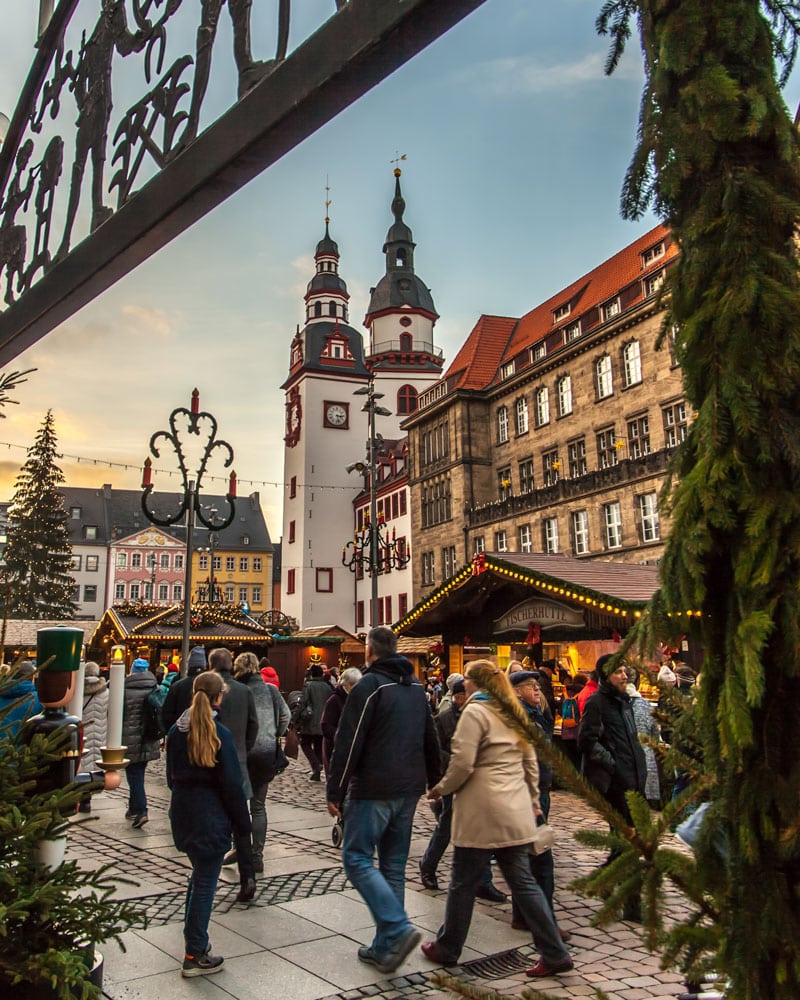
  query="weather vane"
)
[
  {"x": 327, "y": 200},
  {"x": 396, "y": 162}
]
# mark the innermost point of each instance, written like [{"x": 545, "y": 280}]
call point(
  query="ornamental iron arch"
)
[{"x": 108, "y": 130}]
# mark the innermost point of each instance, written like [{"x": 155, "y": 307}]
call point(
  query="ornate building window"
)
[
  {"x": 580, "y": 532},
  {"x": 406, "y": 399},
  {"x": 550, "y": 535},
  {"x": 502, "y": 425},
  {"x": 542, "y": 406},
  {"x": 576, "y": 453},
  {"x": 522, "y": 415},
  {"x": 648, "y": 518},
  {"x": 639, "y": 437},
  {"x": 632, "y": 363},
  {"x": 604, "y": 381},
  {"x": 564, "y": 394},
  {"x": 612, "y": 524}
]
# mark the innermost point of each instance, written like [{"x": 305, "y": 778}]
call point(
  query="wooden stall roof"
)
[
  {"x": 611, "y": 594},
  {"x": 22, "y": 631},
  {"x": 165, "y": 626}
]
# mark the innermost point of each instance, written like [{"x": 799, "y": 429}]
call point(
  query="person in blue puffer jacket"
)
[
  {"x": 19, "y": 699},
  {"x": 207, "y": 803}
]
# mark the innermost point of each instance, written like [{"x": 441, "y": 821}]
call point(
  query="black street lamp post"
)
[
  {"x": 372, "y": 548},
  {"x": 192, "y": 421}
]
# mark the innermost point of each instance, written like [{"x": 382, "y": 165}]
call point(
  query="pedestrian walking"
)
[
  {"x": 262, "y": 758},
  {"x": 332, "y": 712},
  {"x": 138, "y": 685},
  {"x": 307, "y": 718},
  {"x": 612, "y": 757},
  {"x": 207, "y": 804},
  {"x": 179, "y": 693},
  {"x": 494, "y": 778},
  {"x": 386, "y": 752},
  {"x": 95, "y": 722},
  {"x": 238, "y": 714}
]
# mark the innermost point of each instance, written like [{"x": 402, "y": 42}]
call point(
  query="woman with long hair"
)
[
  {"x": 494, "y": 779},
  {"x": 207, "y": 804}
]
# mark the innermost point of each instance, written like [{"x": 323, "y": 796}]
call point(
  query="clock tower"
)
[{"x": 325, "y": 432}]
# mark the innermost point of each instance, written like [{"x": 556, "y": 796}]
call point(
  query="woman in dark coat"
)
[
  {"x": 308, "y": 716},
  {"x": 138, "y": 685},
  {"x": 332, "y": 712},
  {"x": 207, "y": 804}
]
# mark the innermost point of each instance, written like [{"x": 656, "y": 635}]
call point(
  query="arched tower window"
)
[
  {"x": 400, "y": 258},
  {"x": 317, "y": 308},
  {"x": 332, "y": 308},
  {"x": 406, "y": 399},
  {"x": 406, "y": 342}
]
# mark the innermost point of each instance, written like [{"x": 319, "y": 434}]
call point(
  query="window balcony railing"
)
[{"x": 625, "y": 471}]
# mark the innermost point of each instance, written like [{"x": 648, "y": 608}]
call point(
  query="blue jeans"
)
[
  {"x": 384, "y": 824},
  {"x": 468, "y": 862},
  {"x": 137, "y": 800},
  {"x": 199, "y": 900}
]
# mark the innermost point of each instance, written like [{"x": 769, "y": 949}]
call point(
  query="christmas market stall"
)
[
  {"x": 535, "y": 608},
  {"x": 157, "y": 632},
  {"x": 327, "y": 645}
]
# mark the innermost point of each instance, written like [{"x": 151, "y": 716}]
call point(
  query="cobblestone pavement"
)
[{"x": 298, "y": 938}]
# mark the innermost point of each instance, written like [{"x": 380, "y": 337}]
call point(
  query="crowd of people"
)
[{"x": 383, "y": 740}]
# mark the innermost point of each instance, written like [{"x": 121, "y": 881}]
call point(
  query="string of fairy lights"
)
[{"x": 107, "y": 463}]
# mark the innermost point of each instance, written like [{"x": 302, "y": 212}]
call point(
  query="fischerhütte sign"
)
[{"x": 546, "y": 614}]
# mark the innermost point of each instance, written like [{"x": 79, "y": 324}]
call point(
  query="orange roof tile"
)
[
  {"x": 476, "y": 363},
  {"x": 593, "y": 289}
]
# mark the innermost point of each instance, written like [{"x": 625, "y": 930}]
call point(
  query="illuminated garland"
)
[{"x": 551, "y": 585}]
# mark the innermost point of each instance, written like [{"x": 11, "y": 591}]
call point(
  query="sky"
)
[{"x": 516, "y": 147}]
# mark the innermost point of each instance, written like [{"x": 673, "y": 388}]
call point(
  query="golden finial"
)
[
  {"x": 327, "y": 199},
  {"x": 396, "y": 162}
]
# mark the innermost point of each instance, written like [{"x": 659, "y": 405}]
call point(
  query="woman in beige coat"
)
[{"x": 494, "y": 778}]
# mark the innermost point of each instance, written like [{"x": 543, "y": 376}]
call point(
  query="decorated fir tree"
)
[
  {"x": 38, "y": 553},
  {"x": 718, "y": 159},
  {"x": 50, "y": 920}
]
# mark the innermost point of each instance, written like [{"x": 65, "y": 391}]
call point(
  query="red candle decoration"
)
[
  {"x": 147, "y": 476},
  {"x": 232, "y": 484},
  {"x": 195, "y": 401}
]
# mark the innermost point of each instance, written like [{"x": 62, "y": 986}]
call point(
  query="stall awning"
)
[{"x": 500, "y": 595}]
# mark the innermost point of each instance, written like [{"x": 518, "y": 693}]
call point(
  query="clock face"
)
[{"x": 335, "y": 415}]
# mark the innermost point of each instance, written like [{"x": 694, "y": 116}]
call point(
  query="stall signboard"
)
[{"x": 539, "y": 611}]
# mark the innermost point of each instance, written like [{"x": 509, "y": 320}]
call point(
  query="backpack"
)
[
  {"x": 153, "y": 727},
  {"x": 570, "y": 713}
]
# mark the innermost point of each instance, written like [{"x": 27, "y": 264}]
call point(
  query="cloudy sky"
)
[{"x": 516, "y": 148}]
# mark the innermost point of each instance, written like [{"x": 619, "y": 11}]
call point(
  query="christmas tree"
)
[{"x": 38, "y": 553}]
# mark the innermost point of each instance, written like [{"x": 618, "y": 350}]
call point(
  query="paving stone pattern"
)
[{"x": 298, "y": 938}]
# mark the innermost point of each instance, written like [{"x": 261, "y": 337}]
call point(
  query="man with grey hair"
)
[
  {"x": 447, "y": 698},
  {"x": 238, "y": 713},
  {"x": 386, "y": 718}
]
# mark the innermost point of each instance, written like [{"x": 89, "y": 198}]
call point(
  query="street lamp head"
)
[
  {"x": 358, "y": 467},
  {"x": 363, "y": 391},
  {"x": 381, "y": 411}
]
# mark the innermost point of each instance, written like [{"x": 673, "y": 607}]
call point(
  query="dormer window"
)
[
  {"x": 611, "y": 309},
  {"x": 507, "y": 370},
  {"x": 561, "y": 313},
  {"x": 572, "y": 332},
  {"x": 652, "y": 253},
  {"x": 75, "y": 513},
  {"x": 539, "y": 351},
  {"x": 653, "y": 282}
]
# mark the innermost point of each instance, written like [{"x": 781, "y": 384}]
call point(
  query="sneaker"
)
[
  {"x": 139, "y": 821},
  {"x": 400, "y": 950},
  {"x": 428, "y": 878},
  {"x": 201, "y": 965},
  {"x": 366, "y": 954},
  {"x": 543, "y": 969}
]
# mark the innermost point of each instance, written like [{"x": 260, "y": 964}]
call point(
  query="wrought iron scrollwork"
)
[{"x": 76, "y": 83}]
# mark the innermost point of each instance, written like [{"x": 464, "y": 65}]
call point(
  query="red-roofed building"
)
[{"x": 552, "y": 433}]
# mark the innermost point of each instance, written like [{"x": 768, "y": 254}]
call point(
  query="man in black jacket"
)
[
  {"x": 386, "y": 753},
  {"x": 612, "y": 757}
]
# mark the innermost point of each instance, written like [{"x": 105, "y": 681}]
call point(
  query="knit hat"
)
[
  {"x": 270, "y": 676},
  {"x": 91, "y": 669},
  {"x": 139, "y": 666},
  {"x": 197, "y": 661},
  {"x": 666, "y": 676}
]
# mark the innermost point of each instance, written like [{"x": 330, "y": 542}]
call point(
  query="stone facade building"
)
[{"x": 552, "y": 433}]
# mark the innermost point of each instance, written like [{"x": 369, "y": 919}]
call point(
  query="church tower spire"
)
[{"x": 401, "y": 314}]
